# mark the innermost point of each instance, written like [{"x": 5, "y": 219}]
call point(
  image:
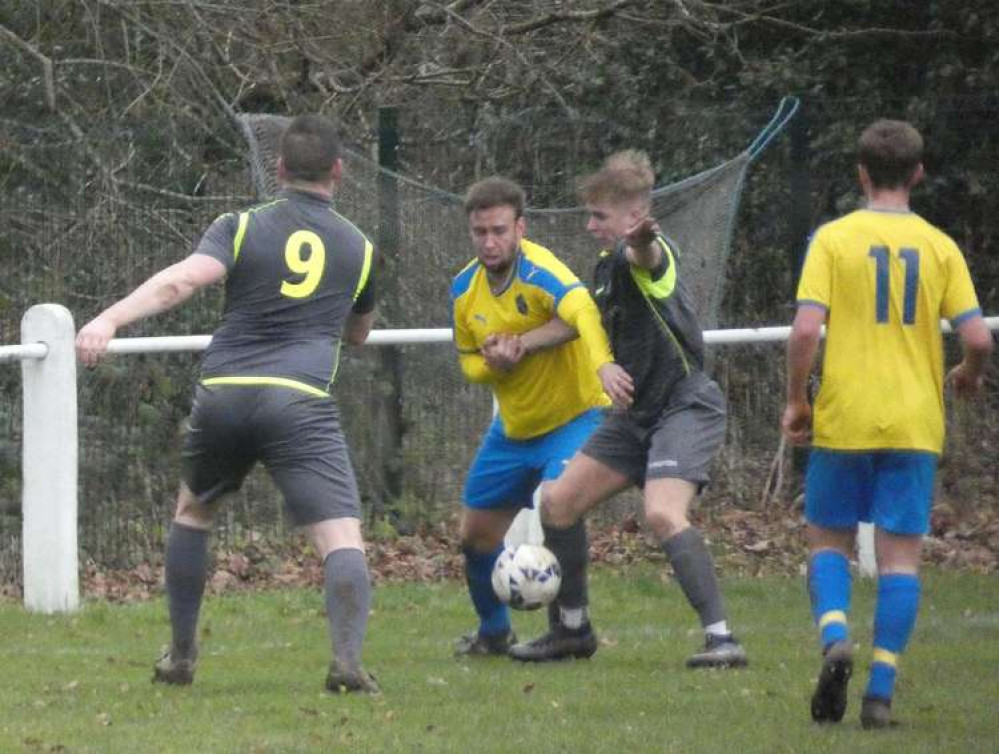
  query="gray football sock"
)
[
  {"x": 348, "y": 600},
  {"x": 571, "y": 547},
  {"x": 186, "y": 570},
  {"x": 694, "y": 569}
]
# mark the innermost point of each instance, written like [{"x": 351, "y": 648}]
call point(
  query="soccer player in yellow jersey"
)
[
  {"x": 550, "y": 396},
  {"x": 880, "y": 279}
]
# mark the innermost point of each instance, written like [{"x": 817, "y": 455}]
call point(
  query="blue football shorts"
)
[
  {"x": 505, "y": 472},
  {"x": 891, "y": 489}
]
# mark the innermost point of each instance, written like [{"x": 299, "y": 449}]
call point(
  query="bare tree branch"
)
[
  {"x": 875, "y": 31},
  {"x": 556, "y": 17},
  {"x": 47, "y": 76}
]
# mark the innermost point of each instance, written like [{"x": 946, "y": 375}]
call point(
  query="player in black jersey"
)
[
  {"x": 298, "y": 282},
  {"x": 669, "y": 417}
]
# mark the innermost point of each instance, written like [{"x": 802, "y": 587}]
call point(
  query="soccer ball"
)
[{"x": 526, "y": 576}]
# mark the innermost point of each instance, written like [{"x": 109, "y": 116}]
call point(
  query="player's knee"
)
[
  {"x": 478, "y": 536},
  {"x": 666, "y": 523},
  {"x": 193, "y": 514},
  {"x": 556, "y": 509}
]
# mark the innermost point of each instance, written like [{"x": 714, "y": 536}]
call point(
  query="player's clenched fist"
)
[{"x": 92, "y": 340}]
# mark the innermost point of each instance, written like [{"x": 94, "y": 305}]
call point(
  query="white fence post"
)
[
  {"x": 866, "y": 561},
  {"x": 49, "y": 494}
]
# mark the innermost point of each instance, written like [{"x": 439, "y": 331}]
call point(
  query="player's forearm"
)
[
  {"x": 358, "y": 327},
  {"x": 646, "y": 256},
  {"x": 162, "y": 292},
  {"x": 976, "y": 344},
  {"x": 552, "y": 333},
  {"x": 801, "y": 350}
]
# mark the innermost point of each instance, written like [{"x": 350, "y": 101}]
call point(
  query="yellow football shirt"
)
[
  {"x": 547, "y": 388},
  {"x": 886, "y": 279}
]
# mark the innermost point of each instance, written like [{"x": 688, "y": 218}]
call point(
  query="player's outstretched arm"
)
[
  {"x": 643, "y": 251},
  {"x": 976, "y": 345},
  {"x": 163, "y": 291},
  {"x": 802, "y": 346}
]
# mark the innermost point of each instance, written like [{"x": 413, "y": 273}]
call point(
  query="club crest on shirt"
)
[
  {"x": 480, "y": 317},
  {"x": 521, "y": 304}
]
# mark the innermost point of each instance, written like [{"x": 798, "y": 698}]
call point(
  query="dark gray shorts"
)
[
  {"x": 681, "y": 443},
  {"x": 295, "y": 435}
]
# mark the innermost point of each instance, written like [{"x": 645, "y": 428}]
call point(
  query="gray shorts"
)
[
  {"x": 295, "y": 435},
  {"x": 680, "y": 443}
]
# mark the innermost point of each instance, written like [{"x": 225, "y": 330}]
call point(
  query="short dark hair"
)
[
  {"x": 310, "y": 145},
  {"x": 624, "y": 177},
  {"x": 890, "y": 150},
  {"x": 495, "y": 191}
]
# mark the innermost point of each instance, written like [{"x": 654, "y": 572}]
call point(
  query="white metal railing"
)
[
  {"x": 50, "y": 443},
  {"x": 23, "y": 352}
]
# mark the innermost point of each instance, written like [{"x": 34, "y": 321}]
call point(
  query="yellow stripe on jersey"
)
[
  {"x": 550, "y": 387},
  {"x": 663, "y": 287},
  {"x": 884, "y": 657},
  {"x": 365, "y": 269},
  {"x": 237, "y": 242},
  {"x": 886, "y": 279}
]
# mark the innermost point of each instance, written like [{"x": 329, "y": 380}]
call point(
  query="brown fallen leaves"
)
[{"x": 745, "y": 543}]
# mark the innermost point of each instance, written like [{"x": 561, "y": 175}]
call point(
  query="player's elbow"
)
[
  {"x": 804, "y": 335},
  {"x": 477, "y": 376},
  {"x": 976, "y": 337},
  {"x": 173, "y": 292}
]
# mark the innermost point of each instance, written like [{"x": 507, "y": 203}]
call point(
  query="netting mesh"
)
[
  {"x": 94, "y": 246},
  {"x": 431, "y": 230},
  {"x": 426, "y": 233}
]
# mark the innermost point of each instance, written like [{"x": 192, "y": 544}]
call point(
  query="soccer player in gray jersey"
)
[
  {"x": 669, "y": 418},
  {"x": 298, "y": 280}
]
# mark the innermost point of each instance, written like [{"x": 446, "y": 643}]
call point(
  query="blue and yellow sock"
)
[
  {"x": 894, "y": 619},
  {"x": 494, "y": 617},
  {"x": 829, "y": 585}
]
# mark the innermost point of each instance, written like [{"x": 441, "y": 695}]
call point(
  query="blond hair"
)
[{"x": 624, "y": 177}]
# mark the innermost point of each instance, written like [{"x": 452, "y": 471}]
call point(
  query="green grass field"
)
[{"x": 81, "y": 683}]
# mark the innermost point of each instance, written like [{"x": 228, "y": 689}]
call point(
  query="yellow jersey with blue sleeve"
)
[
  {"x": 886, "y": 279},
  {"x": 547, "y": 388}
]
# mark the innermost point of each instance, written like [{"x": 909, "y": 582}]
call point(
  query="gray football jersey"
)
[{"x": 296, "y": 269}]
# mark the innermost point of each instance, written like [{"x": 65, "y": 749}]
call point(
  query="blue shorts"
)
[
  {"x": 505, "y": 472},
  {"x": 891, "y": 489}
]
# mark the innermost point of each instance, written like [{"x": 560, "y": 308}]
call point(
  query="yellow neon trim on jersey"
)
[
  {"x": 833, "y": 616},
  {"x": 365, "y": 268},
  {"x": 336, "y": 365},
  {"x": 237, "y": 242},
  {"x": 884, "y": 657},
  {"x": 664, "y": 286},
  {"x": 272, "y": 381}
]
